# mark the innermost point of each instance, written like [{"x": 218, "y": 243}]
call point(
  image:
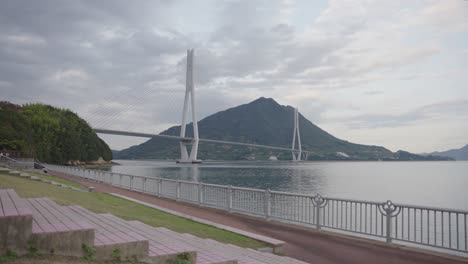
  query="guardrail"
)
[
  {"x": 428, "y": 226},
  {"x": 16, "y": 163}
]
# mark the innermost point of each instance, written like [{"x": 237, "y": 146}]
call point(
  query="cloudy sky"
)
[{"x": 391, "y": 73}]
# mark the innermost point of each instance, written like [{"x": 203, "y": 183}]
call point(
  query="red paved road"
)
[{"x": 304, "y": 244}]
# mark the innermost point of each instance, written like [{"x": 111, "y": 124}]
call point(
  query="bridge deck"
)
[{"x": 148, "y": 135}]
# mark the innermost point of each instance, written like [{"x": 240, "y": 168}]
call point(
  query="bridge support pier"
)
[
  {"x": 296, "y": 154},
  {"x": 185, "y": 157}
]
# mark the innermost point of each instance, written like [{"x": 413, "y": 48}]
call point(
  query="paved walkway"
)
[{"x": 303, "y": 244}]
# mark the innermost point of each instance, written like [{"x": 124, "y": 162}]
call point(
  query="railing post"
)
[
  {"x": 388, "y": 236},
  {"x": 111, "y": 181},
  {"x": 389, "y": 210},
  {"x": 178, "y": 191},
  {"x": 319, "y": 202},
  {"x": 131, "y": 182},
  {"x": 144, "y": 185},
  {"x": 267, "y": 208},
  {"x": 200, "y": 194},
  {"x": 317, "y": 215},
  {"x": 229, "y": 198},
  {"x": 159, "y": 187},
  {"x": 120, "y": 180}
]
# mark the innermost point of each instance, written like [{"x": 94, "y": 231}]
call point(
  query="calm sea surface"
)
[{"x": 440, "y": 184}]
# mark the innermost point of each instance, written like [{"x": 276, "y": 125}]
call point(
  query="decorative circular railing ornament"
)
[
  {"x": 319, "y": 201},
  {"x": 389, "y": 209}
]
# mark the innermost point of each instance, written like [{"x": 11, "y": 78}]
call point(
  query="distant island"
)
[
  {"x": 264, "y": 122},
  {"x": 50, "y": 135}
]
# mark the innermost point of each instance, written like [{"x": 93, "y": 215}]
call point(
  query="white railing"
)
[
  {"x": 433, "y": 227},
  {"x": 16, "y": 163}
]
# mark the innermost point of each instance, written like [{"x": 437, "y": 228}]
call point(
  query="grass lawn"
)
[{"x": 105, "y": 203}]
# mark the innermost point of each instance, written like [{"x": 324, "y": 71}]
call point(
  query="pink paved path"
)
[{"x": 303, "y": 244}]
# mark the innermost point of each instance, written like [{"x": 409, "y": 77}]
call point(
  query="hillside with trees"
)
[{"x": 49, "y": 134}]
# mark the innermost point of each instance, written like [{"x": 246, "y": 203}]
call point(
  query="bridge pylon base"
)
[{"x": 189, "y": 161}]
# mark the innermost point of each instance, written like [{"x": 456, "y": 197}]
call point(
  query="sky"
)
[{"x": 389, "y": 73}]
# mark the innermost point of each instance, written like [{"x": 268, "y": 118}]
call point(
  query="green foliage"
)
[
  {"x": 32, "y": 249},
  {"x": 88, "y": 252},
  {"x": 183, "y": 258},
  {"x": 49, "y": 134},
  {"x": 9, "y": 256},
  {"x": 133, "y": 259},
  {"x": 115, "y": 256}
]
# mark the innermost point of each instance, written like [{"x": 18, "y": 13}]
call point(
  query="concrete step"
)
[
  {"x": 45, "y": 180},
  {"x": 110, "y": 238},
  {"x": 160, "y": 250},
  {"x": 15, "y": 222},
  {"x": 55, "y": 231},
  {"x": 14, "y": 172},
  {"x": 160, "y": 241},
  {"x": 34, "y": 178},
  {"x": 2, "y": 169},
  {"x": 242, "y": 255},
  {"x": 246, "y": 255}
]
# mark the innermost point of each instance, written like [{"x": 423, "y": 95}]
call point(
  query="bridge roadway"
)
[{"x": 149, "y": 135}]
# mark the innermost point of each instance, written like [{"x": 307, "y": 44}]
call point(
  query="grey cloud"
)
[
  {"x": 426, "y": 113},
  {"x": 84, "y": 54},
  {"x": 373, "y": 92}
]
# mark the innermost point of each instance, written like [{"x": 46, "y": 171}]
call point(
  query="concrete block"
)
[
  {"x": 138, "y": 248},
  {"x": 15, "y": 232},
  {"x": 172, "y": 258},
  {"x": 67, "y": 243}
]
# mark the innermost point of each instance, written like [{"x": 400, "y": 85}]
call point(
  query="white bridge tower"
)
[
  {"x": 189, "y": 92},
  {"x": 296, "y": 156}
]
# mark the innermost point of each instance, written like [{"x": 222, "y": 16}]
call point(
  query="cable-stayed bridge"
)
[
  {"x": 298, "y": 153},
  {"x": 149, "y": 135}
]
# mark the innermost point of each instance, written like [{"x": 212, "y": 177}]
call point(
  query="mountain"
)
[
  {"x": 49, "y": 134},
  {"x": 457, "y": 154},
  {"x": 264, "y": 122}
]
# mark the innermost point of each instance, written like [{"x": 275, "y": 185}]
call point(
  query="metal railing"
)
[
  {"x": 18, "y": 163},
  {"x": 428, "y": 226}
]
